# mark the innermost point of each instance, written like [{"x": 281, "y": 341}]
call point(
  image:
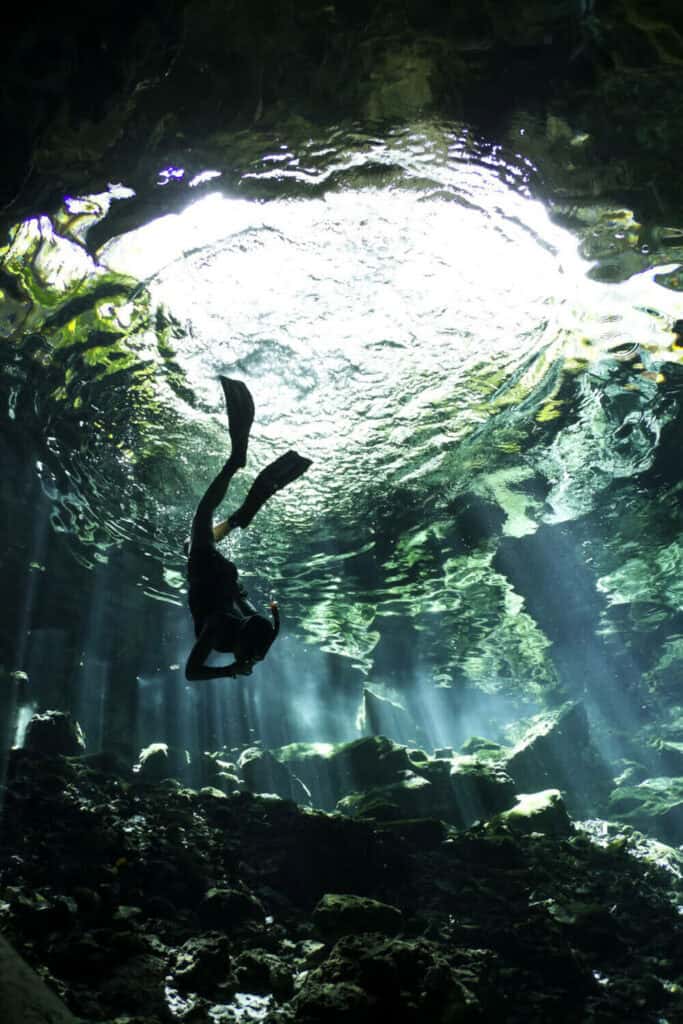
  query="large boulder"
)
[
  {"x": 537, "y": 812},
  {"x": 225, "y": 909},
  {"x": 654, "y": 806},
  {"x": 370, "y": 761},
  {"x": 54, "y": 732},
  {"x": 158, "y": 761},
  {"x": 264, "y": 773},
  {"x": 338, "y": 914},
  {"x": 409, "y": 797},
  {"x": 324, "y": 1002},
  {"x": 380, "y": 716},
  {"x": 370, "y": 977},
  {"x": 332, "y": 771},
  {"x": 263, "y": 973},
  {"x": 557, "y": 753},
  {"x": 466, "y": 789},
  {"x": 485, "y": 750},
  {"x": 202, "y": 964},
  {"x": 457, "y": 790},
  {"x": 378, "y": 778},
  {"x": 24, "y": 997}
]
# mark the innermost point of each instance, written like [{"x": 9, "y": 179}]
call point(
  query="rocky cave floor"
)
[{"x": 139, "y": 899}]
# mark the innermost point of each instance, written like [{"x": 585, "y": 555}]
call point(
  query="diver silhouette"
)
[{"x": 224, "y": 619}]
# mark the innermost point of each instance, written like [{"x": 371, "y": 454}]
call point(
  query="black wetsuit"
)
[{"x": 214, "y": 589}]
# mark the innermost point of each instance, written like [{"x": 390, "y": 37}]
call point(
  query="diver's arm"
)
[{"x": 197, "y": 671}]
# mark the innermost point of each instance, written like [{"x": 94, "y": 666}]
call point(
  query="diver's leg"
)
[
  {"x": 240, "y": 409},
  {"x": 202, "y": 524},
  {"x": 221, "y": 530},
  {"x": 273, "y": 478}
]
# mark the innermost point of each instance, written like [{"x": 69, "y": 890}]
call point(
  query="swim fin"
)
[
  {"x": 240, "y": 408},
  {"x": 285, "y": 470}
]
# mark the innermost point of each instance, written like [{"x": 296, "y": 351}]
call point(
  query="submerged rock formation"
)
[
  {"x": 54, "y": 732},
  {"x": 152, "y": 902},
  {"x": 558, "y": 750},
  {"x": 24, "y": 997}
]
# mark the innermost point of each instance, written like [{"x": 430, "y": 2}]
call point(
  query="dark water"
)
[{"x": 490, "y": 396}]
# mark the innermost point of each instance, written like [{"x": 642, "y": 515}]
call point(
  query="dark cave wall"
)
[{"x": 88, "y": 93}]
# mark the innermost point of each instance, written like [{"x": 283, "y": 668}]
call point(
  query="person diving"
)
[{"x": 224, "y": 619}]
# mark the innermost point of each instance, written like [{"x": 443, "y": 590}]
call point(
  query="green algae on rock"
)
[
  {"x": 654, "y": 806},
  {"x": 338, "y": 914},
  {"x": 537, "y": 812}
]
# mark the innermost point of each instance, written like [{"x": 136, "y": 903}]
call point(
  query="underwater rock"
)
[
  {"x": 220, "y": 772},
  {"x": 263, "y": 973},
  {"x": 24, "y": 997},
  {"x": 203, "y": 964},
  {"x": 401, "y": 980},
  {"x": 459, "y": 791},
  {"x": 107, "y": 763},
  {"x": 377, "y": 778},
  {"x": 483, "y": 748},
  {"x": 557, "y": 753},
  {"x": 228, "y": 908},
  {"x": 54, "y": 732},
  {"x": 308, "y": 853},
  {"x": 338, "y": 914},
  {"x": 311, "y": 762},
  {"x": 228, "y": 783},
  {"x": 212, "y": 793},
  {"x": 382, "y": 717},
  {"x": 654, "y": 806},
  {"x": 465, "y": 790},
  {"x": 320, "y": 1002},
  {"x": 373, "y": 760},
  {"x": 263, "y": 773},
  {"x": 537, "y": 812},
  {"x": 410, "y": 797},
  {"x": 332, "y": 771},
  {"x": 136, "y": 986},
  {"x": 420, "y": 833},
  {"x": 158, "y": 761},
  {"x": 145, "y": 904}
]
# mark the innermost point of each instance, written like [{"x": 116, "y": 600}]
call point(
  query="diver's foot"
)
[
  {"x": 240, "y": 408},
  {"x": 283, "y": 471}
]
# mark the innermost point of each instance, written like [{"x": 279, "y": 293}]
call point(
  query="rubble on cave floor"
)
[{"x": 149, "y": 901}]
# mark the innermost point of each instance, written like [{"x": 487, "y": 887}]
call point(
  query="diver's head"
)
[{"x": 255, "y": 637}]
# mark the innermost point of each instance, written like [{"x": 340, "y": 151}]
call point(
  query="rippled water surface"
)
[{"x": 407, "y": 315}]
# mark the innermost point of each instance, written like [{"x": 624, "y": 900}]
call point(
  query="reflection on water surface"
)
[{"x": 407, "y": 315}]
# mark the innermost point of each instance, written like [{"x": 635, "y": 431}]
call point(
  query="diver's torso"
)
[{"x": 214, "y": 588}]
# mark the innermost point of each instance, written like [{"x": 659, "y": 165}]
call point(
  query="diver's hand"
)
[{"x": 242, "y": 668}]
